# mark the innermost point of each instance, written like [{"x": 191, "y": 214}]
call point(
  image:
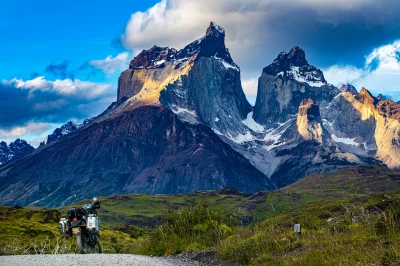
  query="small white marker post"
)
[{"x": 297, "y": 229}]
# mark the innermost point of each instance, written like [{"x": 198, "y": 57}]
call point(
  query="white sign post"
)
[{"x": 297, "y": 229}]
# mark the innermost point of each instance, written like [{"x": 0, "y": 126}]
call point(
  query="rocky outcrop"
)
[
  {"x": 285, "y": 83},
  {"x": 307, "y": 147},
  {"x": 293, "y": 65},
  {"x": 14, "y": 150},
  {"x": 145, "y": 150},
  {"x": 200, "y": 83},
  {"x": 159, "y": 137},
  {"x": 309, "y": 122},
  {"x": 369, "y": 127},
  {"x": 348, "y": 88},
  {"x": 182, "y": 123},
  {"x": 62, "y": 131}
]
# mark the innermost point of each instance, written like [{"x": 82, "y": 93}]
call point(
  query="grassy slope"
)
[
  {"x": 307, "y": 201},
  {"x": 360, "y": 231},
  {"x": 146, "y": 211}
]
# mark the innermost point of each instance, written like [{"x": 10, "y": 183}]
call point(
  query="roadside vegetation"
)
[{"x": 356, "y": 225}]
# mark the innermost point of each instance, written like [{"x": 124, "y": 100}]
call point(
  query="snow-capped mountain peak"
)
[{"x": 294, "y": 66}]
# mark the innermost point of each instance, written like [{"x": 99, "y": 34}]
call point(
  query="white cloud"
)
[
  {"x": 338, "y": 75},
  {"x": 257, "y": 30},
  {"x": 66, "y": 87},
  {"x": 32, "y": 132},
  {"x": 387, "y": 56},
  {"x": 111, "y": 65},
  {"x": 28, "y": 128},
  {"x": 250, "y": 87},
  {"x": 380, "y": 74},
  {"x": 45, "y": 101}
]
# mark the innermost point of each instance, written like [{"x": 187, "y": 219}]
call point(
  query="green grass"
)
[
  {"x": 341, "y": 232},
  {"x": 146, "y": 211},
  {"x": 35, "y": 231},
  {"x": 348, "y": 218}
]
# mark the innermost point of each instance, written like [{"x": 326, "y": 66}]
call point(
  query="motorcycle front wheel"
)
[{"x": 97, "y": 247}]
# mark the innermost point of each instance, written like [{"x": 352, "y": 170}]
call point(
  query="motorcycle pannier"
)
[
  {"x": 92, "y": 223},
  {"x": 63, "y": 226}
]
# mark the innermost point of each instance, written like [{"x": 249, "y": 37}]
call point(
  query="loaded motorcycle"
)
[{"x": 83, "y": 223}]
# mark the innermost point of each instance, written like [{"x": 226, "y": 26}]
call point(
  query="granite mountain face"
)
[
  {"x": 157, "y": 138},
  {"x": 365, "y": 125},
  {"x": 285, "y": 83},
  {"x": 182, "y": 123}
]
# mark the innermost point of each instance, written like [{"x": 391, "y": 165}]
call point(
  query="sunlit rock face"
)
[
  {"x": 309, "y": 122},
  {"x": 366, "y": 125},
  {"x": 285, "y": 83},
  {"x": 158, "y": 137},
  {"x": 200, "y": 83},
  {"x": 181, "y": 123}
]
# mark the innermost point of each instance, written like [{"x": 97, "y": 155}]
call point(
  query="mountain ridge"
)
[
  {"x": 14, "y": 150},
  {"x": 184, "y": 124}
]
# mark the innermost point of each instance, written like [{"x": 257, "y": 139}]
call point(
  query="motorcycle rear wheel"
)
[{"x": 81, "y": 243}]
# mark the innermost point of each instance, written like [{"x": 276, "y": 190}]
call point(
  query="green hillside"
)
[{"x": 341, "y": 214}]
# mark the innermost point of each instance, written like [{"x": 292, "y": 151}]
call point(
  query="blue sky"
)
[
  {"x": 60, "y": 60},
  {"x": 35, "y": 34}
]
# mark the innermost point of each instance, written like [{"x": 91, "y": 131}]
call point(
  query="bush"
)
[{"x": 191, "y": 229}]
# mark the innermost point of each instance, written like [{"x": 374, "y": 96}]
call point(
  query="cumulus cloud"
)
[
  {"x": 331, "y": 32},
  {"x": 111, "y": 65},
  {"x": 43, "y": 101},
  {"x": 385, "y": 58},
  {"x": 380, "y": 73},
  {"x": 28, "y": 128},
  {"x": 33, "y": 132},
  {"x": 338, "y": 75}
]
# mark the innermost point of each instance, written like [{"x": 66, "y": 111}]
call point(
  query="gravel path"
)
[{"x": 91, "y": 260}]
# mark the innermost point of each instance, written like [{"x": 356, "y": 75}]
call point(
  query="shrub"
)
[{"x": 191, "y": 229}]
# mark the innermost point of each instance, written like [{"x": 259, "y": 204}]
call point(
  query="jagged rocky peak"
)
[
  {"x": 63, "y": 131},
  {"x": 152, "y": 70},
  {"x": 366, "y": 97},
  {"x": 212, "y": 44},
  {"x": 391, "y": 109},
  {"x": 184, "y": 81},
  {"x": 348, "y": 88},
  {"x": 14, "y": 150},
  {"x": 285, "y": 83},
  {"x": 153, "y": 58},
  {"x": 294, "y": 65}
]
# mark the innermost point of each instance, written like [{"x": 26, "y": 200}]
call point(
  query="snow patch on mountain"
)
[
  {"x": 345, "y": 140},
  {"x": 253, "y": 125},
  {"x": 186, "y": 115},
  {"x": 311, "y": 78},
  {"x": 226, "y": 64}
]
